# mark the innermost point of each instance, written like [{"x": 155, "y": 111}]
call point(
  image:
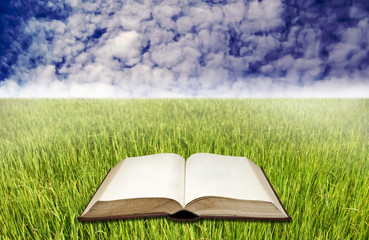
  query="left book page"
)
[{"x": 158, "y": 176}]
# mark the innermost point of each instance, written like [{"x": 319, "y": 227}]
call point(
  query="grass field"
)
[{"x": 55, "y": 153}]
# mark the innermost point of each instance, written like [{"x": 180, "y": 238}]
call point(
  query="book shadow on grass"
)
[{"x": 185, "y": 216}]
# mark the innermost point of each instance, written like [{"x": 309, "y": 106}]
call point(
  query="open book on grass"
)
[{"x": 206, "y": 186}]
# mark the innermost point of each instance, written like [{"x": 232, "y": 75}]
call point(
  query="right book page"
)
[{"x": 228, "y": 177}]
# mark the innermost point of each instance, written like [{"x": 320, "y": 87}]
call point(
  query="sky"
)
[{"x": 184, "y": 48}]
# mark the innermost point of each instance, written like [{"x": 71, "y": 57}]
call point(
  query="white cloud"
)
[
  {"x": 265, "y": 15},
  {"x": 212, "y": 41},
  {"x": 352, "y": 36},
  {"x": 167, "y": 55},
  {"x": 202, "y": 16},
  {"x": 188, "y": 49},
  {"x": 125, "y": 46},
  {"x": 184, "y": 24},
  {"x": 132, "y": 15},
  {"x": 158, "y": 36},
  {"x": 259, "y": 46},
  {"x": 340, "y": 52},
  {"x": 163, "y": 14},
  {"x": 234, "y": 12}
]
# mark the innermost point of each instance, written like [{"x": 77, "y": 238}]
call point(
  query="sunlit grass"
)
[{"x": 55, "y": 153}]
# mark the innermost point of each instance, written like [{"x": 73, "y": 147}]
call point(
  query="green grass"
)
[{"x": 55, "y": 153}]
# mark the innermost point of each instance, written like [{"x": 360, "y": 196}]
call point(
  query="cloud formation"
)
[{"x": 213, "y": 48}]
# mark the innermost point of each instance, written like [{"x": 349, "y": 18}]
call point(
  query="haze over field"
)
[{"x": 169, "y": 48}]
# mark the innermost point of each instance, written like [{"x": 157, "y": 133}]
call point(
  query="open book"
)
[{"x": 206, "y": 186}]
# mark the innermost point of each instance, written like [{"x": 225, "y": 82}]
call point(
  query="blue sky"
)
[{"x": 184, "y": 48}]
